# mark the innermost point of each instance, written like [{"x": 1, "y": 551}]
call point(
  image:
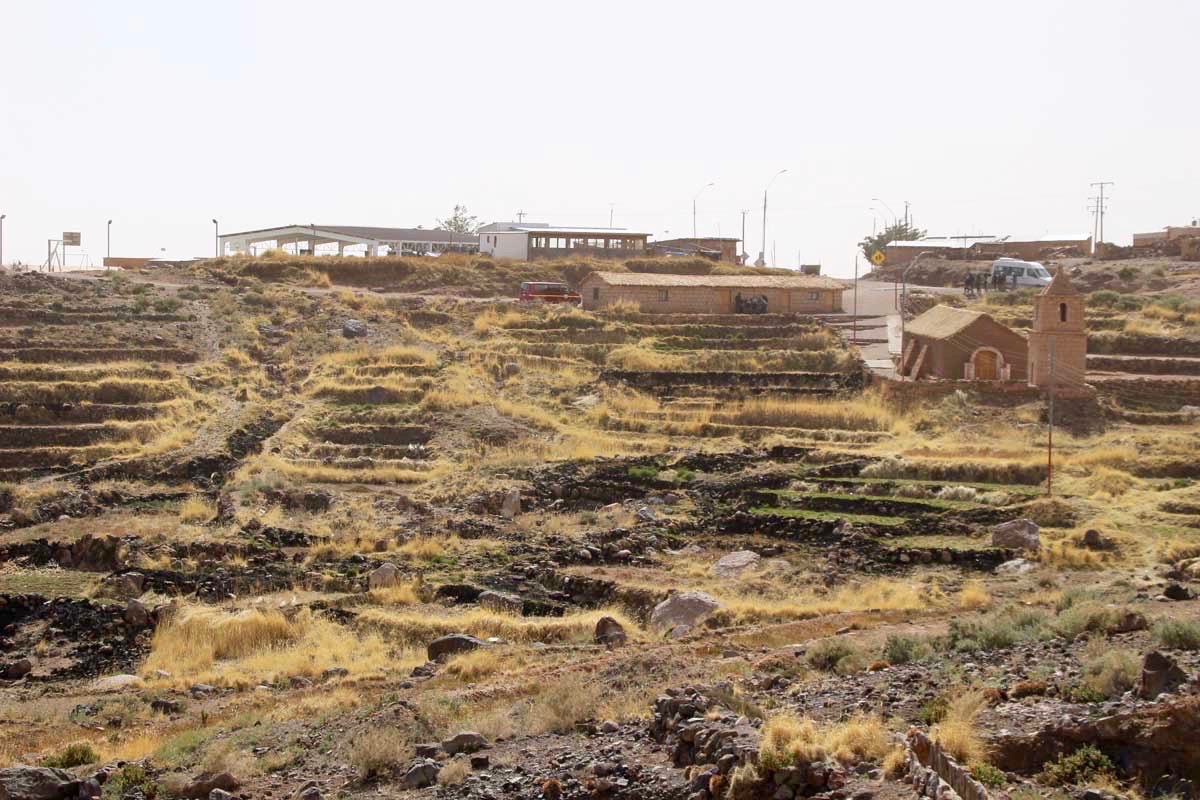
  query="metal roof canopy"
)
[{"x": 354, "y": 234}]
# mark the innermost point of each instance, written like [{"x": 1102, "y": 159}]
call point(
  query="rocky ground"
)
[{"x": 324, "y": 543}]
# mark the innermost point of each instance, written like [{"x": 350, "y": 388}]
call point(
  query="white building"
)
[
  {"x": 529, "y": 241},
  {"x": 330, "y": 239}
]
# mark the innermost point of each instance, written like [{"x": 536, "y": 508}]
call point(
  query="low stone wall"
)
[{"x": 935, "y": 774}]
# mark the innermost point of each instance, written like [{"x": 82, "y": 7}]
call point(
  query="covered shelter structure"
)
[
  {"x": 336, "y": 239},
  {"x": 953, "y": 344},
  {"x": 712, "y": 294},
  {"x": 534, "y": 241}
]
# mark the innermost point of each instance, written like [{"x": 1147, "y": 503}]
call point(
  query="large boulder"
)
[
  {"x": 734, "y": 564},
  {"x": 451, "y": 645},
  {"x": 511, "y": 505},
  {"x": 136, "y": 613},
  {"x": 383, "y": 576},
  {"x": 609, "y": 632},
  {"x": 37, "y": 783},
  {"x": 684, "y": 608},
  {"x": 16, "y": 669},
  {"x": 464, "y": 742},
  {"x": 501, "y": 603},
  {"x": 421, "y": 772},
  {"x": 1160, "y": 674},
  {"x": 355, "y": 329},
  {"x": 1020, "y": 534},
  {"x": 203, "y": 784}
]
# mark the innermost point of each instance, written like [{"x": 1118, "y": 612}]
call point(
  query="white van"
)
[{"x": 1028, "y": 274}]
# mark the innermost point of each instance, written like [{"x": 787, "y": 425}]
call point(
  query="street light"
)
[
  {"x": 2, "y": 216},
  {"x": 694, "y": 198},
  {"x": 216, "y": 240},
  {"x": 889, "y": 208},
  {"x": 762, "y": 254},
  {"x": 108, "y": 240}
]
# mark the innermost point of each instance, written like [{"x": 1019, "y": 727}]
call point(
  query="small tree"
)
[
  {"x": 898, "y": 232},
  {"x": 460, "y": 221}
]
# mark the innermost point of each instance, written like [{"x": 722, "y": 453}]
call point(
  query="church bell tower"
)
[{"x": 1058, "y": 338}]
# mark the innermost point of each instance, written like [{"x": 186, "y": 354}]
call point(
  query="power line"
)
[{"x": 1100, "y": 209}]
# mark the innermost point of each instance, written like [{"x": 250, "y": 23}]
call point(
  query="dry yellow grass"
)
[
  {"x": 1066, "y": 555},
  {"x": 791, "y": 740},
  {"x": 196, "y": 509},
  {"x": 321, "y": 473},
  {"x": 477, "y": 664},
  {"x": 974, "y": 595},
  {"x": 1175, "y": 550},
  {"x": 883, "y": 594},
  {"x": 210, "y": 645},
  {"x": 402, "y": 594},
  {"x": 865, "y": 413},
  {"x": 423, "y": 625},
  {"x": 958, "y": 730}
]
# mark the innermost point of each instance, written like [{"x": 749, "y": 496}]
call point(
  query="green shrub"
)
[
  {"x": 1000, "y": 629},
  {"x": 1107, "y": 298},
  {"x": 1178, "y": 634},
  {"x": 903, "y": 649},
  {"x": 834, "y": 655},
  {"x": 643, "y": 473},
  {"x": 130, "y": 779},
  {"x": 73, "y": 755},
  {"x": 934, "y": 711},
  {"x": 1112, "y": 672},
  {"x": 988, "y": 775},
  {"x": 167, "y": 305},
  {"x": 1085, "y": 764},
  {"x": 1083, "y": 693},
  {"x": 1083, "y": 617}
]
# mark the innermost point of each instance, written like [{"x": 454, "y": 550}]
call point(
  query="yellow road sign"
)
[{"x": 877, "y": 258}]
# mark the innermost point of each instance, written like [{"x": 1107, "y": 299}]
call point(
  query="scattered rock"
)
[
  {"x": 428, "y": 750},
  {"x": 37, "y": 783},
  {"x": 609, "y": 726},
  {"x": 501, "y": 603},
  {"x": 734, "y": 564},
  {"x": 1160, "y": 674},
  {"x": 1018, "y": 533},
  {"x": 308, "y": 791},
  {"x": 646, "y": 514},
  {"x": 1018, "y": 566},
  {"x": 452, "y": 644},
  {"x": 684, "y": 608},
  {"x": 16, "y": 669},
  {"x": 1094, "y": 540},
  {"x": 1176, "y": 592},
  {"x": 464, "y": 742},
  {"x": 219, "y": 794},
  {"x": 355, "y": 329},
  {"x": 163, "y": 706},
  {"x": 421, "y": 772},
  {"x": 386, "y": 574},
  {"x": 334, "y": 672},
  {"x": 116, "y": 683},
  {"x": 1128, "y": 622},
  {"x": 609, "y": 632},
  {"x": 136, "y": 613},
  {"x": 480, "y": 761}
]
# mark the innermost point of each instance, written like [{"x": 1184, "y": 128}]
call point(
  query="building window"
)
[
  {"x": 663, "y": 296},
  {"x": 814, "y": 295},
  {"x": 1062, "y": 312},
  {"x": 595, "y": 294}
]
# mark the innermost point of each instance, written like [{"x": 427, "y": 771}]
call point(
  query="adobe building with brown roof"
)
[
  {"x": 1058, "y": 339},
  {"x": 712, "y": 294},
  {"x": 955, "y": 344}
]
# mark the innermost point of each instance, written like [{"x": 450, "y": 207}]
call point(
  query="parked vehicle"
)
[
  {"x": 1027, "y": 273},
  {"x": 547, "y": 292}
]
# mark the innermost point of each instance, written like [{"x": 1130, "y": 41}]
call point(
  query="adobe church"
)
[{"x": 954, "y": 344}]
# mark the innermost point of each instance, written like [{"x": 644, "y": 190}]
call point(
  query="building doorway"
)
[{"x": 986, "y": 364}]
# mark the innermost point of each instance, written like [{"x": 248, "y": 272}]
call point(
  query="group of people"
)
[{"x": 976, "y": 284}]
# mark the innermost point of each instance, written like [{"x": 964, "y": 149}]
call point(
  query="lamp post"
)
[
  {"x": 216, "y": 240},
  {"x": 694, "y": 198},
  {"x": 889, "y": 208},
  {"x": 762, "y": 254},
  {"x": 108, "y": 240},
  {"x": 2, "y": 216}
]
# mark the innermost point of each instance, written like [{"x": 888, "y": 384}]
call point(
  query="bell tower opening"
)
[{"x": 1062, "y": 312}]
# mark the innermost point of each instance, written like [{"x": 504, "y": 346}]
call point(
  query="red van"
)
[{"x": 548, "y": 292}]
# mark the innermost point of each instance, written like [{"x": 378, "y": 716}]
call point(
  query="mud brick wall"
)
[{"x": 931, "y": 770}]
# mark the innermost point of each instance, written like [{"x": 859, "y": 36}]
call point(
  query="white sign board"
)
[{"x": 71, "y": 238}]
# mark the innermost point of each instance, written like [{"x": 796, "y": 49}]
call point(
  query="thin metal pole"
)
[
  {"x": 763, "y": 254},
  {"x": 1050, "y": 437},
  {"x": 744, "y": 235},
  {"x": 854, "y": 322}
]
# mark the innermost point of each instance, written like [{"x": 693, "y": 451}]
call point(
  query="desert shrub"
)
[
  {"x": 1085, "y": 764},
  {"x": 1110, "y": 673},
  {"x": 1082, "y": 693},
  {"x": 789, "y": 740},
  {"x": 73, "y": 755},
  {"x": 375, "y": 753},
  {"x": 995, "y": 631},
  {"x": 1085, "y": 617},
  {"x": 647, "y": 473},
  {"x": 834, "y": 655},
  {"x": 961, "y": 493},
  {"x": 8, "y": 494},
  {"x": 996, "y": 498},
  {"x": 454, "y": 773},
  {"x": 195, "y": 509},
  {"x": 1178, "y": 634},
  {"x": 913, "y": 491},
  {"x": 1106, "y": 298},
  {"x": 974, "y": 595},
  {"x": 899, "y": 649},
  {"x": 988, "y": 775},
  {"x": 934, "y": 710}
]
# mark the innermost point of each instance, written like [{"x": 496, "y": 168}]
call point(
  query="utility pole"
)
[
  {"x": 2, "y": 216},
  {"x": 1095, "y": 209},
  {"x": 521, "y": 217},
  {"x": 216, "y": 239},
  {"x": 906, "y": 223},
  {"x": 744, "y": 213},
  {"x": 854, "y": 320},
  {"x": 1050, "y": 437},
  {"x": 610, "y": 214},
  {"x": 1100, "y": 208},
  {"x": 108, "y": 240},
  {"x": 762, "y": 255}
]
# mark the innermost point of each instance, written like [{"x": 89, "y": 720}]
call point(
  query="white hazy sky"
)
[{"x": 987, "y": 118}]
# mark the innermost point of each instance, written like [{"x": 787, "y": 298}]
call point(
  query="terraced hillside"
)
[{"x": 285, "y": 539}]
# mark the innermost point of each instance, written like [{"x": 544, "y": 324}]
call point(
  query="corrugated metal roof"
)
[
  {"x": 947, "y": 241},
  {"x": 592, "y": 232},
  {"x": 943, "y": 322},
  {"x": 365, "y": 232},
  {"x": 718, "y": 281}
]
